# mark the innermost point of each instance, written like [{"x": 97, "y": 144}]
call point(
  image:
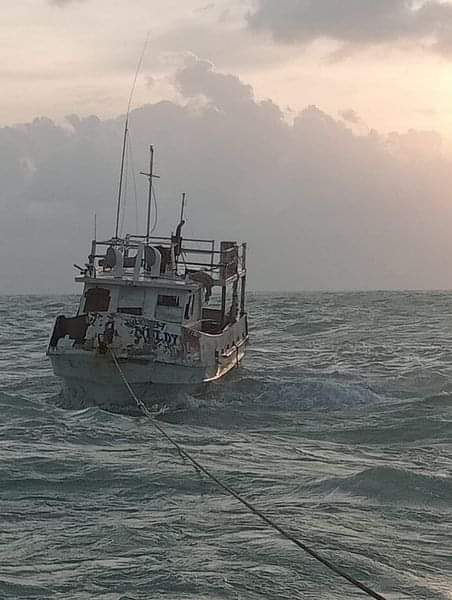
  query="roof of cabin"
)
[{"x": 157, "y": 283}]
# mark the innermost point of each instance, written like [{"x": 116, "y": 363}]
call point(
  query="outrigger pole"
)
[{"x": 126, "y": 131}]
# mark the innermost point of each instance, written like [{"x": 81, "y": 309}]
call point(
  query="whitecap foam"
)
[{"x": 392, "y": 485}]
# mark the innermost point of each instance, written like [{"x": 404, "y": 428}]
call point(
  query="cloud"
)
[
  {"x": 64, "y": 2},
  {"x": 205, "y": 7},
  {"x": 350, "y": 116},
  {"x": 357, "y": 23},
  {"x": 321, "y": 206},
  {"x": 225, "y": 42},
  {"x": 198, "y": 77}
]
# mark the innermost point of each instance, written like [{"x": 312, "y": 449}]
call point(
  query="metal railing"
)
[{"x": 223, "y": 261}]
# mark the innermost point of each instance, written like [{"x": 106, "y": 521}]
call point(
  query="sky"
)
[{"x": 320, "y": 131}]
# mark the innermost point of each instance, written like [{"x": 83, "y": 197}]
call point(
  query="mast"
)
[
  {"x": 151, "y": 177},
  {"x": 121, "y": 176}
]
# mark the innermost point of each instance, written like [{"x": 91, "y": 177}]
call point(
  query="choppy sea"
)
[{"x": 338, "y": 426}]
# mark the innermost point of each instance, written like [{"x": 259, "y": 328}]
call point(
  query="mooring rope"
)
[{"x": 225, "y": 487}]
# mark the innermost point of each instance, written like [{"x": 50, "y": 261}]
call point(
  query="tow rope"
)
[{"x": 225, "y": 487}]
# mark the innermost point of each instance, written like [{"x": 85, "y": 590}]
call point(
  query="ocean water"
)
[{"x": 338, "y": 426}]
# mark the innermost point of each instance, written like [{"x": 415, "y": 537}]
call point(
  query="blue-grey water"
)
[{"x": 338, "y": 425}]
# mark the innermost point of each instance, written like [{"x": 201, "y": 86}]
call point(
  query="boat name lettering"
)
[
  {"x": 136, "y": 322},
  {"x": 168, "y": 339}
]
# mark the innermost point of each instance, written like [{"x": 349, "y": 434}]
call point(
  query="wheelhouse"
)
[{"x": 188, "y": 281}]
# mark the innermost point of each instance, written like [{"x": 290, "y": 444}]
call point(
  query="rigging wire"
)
[{"x": 229, "y": 490}]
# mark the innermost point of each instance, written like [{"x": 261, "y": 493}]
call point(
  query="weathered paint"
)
[{"x": 132, "y": 337}]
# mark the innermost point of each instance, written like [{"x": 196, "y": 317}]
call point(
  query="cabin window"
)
[
  {"x": 130, "y": 310},
  {"x": 170, "y": 308},
  {"x": 167, "y": 300},
  {"x": 97, "y": 300},
  {"x": 130, "y": 301}
]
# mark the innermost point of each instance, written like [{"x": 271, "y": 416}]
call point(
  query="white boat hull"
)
[{"x": 91, "y": 377}]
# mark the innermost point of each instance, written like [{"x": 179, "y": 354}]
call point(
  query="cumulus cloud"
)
[
  {"x": 321, "y": 206},
  {"x": 198, "y": 78},
  {"x": 350, "y": 116},
  {"x": 356, "y": 23}
]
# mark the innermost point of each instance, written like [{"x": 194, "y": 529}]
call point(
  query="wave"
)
[
  {"x": 247, "y": 403},
  {"x": 310, "y": 393},
  {"x": 237, "y": 392},
  {"x": 11, "y": 589},
  {"x": 15, "y": 404},
  {"x": 392, "y": 485},
  {"x": 435, "y": 401},
  {"x": 312, "y": 326}
]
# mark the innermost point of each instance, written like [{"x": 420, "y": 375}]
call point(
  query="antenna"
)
[
  {"x": 182, "y": 208},
  {"x": 151, "y": 178},
  {"x": 126, "y": 131},
  {"x": 95, "y": 226}
]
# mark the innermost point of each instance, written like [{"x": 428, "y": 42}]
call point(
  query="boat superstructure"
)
[{"x": 172, "y": 310}]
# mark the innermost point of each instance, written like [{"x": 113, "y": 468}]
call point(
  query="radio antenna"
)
[
  {"x": 182, "y": 208},
  {"x": 126, "y": 131}
]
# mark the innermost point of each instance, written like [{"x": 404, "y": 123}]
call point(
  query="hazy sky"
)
[
  {"x": 319, "y": 130},
  {"x": 388, "y": 60}
]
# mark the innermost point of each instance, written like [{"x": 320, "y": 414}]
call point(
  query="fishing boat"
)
[{"x": 168, "y": 311}]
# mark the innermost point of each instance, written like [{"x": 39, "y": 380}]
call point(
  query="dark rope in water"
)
[{"x": 199, "y": 468}]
